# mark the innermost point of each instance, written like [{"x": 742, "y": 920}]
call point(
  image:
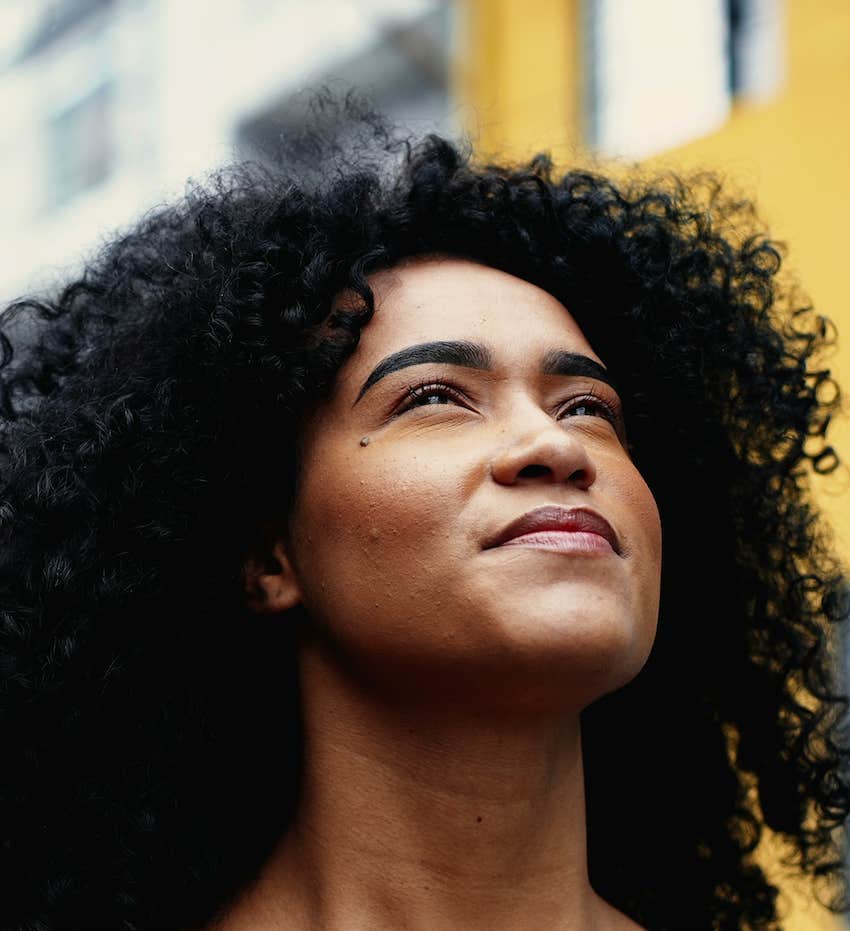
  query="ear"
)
[{"x": 271, "y": 586}]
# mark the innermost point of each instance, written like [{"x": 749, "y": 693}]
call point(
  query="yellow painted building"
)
[{"x": 520, "y": 82}]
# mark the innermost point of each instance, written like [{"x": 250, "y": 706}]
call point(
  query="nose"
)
[{"x": 549, "y": 454}]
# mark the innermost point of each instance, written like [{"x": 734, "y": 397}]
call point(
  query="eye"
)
[
  {"x": 591, "y": 405},
  {"x": 432, "y": 393}
]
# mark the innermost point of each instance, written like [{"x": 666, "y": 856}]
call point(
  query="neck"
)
[{"x": 429, "y": 820}]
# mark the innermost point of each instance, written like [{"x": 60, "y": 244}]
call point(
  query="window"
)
[
  {"x": 662, "y": 72},
  {"x": 755, "y": 47},
  {"x": 80, "y": 146},
  {"x": 58, "y": 18}
]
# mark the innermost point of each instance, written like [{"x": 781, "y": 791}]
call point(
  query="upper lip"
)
[{"x": 554, "y": 517}]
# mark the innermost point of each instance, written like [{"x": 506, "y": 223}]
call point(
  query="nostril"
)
[{"x": 534, "y": 471}]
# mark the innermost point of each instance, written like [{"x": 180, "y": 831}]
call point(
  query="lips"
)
[{"x": 553, "y": 518}]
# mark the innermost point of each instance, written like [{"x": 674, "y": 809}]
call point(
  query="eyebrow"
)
[
  {"x": 477, "y": 356},
  {"x": 469, "y": 355},
  {"x": 561, "y": 362}
]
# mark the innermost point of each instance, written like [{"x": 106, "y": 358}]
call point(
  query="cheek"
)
[
  {"x": 369, "y": 523},
  {"x": 645, "y": 543},
  {"x": 643, "y": 521},
  {"x": 641, "y": 526},
  {"x": 367, "y": 495},
  {"x": 649, "y": 518}
]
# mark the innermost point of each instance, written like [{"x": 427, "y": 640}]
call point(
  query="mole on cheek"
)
[{"x": 364, "y": 441}]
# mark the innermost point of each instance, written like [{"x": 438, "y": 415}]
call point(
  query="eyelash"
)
[{"x": 415, "y": 394}]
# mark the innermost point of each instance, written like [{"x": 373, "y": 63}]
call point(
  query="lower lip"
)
[{"x": 560, "y": 541}]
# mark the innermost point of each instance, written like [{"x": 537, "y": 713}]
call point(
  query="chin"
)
[
  {"x": 579, "y": 657},
  {"x": 546, "y": 675}
]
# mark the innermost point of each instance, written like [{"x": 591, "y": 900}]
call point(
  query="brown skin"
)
[{"x": 442, "y": 682}]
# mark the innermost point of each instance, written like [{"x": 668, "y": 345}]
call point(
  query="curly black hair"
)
[{"x": 139, "y": 789}]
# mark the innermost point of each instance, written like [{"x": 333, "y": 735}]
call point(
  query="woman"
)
[{"x": 331, "y": 564}]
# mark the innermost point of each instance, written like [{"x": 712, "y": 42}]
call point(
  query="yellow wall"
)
[
  {"x": 517, "y": 76},
  {"x": 794, "y": 155},
  {"x": 515, "y": 73}
]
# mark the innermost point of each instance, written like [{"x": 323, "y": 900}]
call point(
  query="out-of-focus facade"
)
[{"x": 110, "y": 105}]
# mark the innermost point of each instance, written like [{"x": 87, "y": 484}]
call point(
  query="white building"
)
[{"x": 110, "y": 105}]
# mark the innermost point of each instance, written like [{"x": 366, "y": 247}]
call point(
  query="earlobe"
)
[{"x": 271, "y": 585}]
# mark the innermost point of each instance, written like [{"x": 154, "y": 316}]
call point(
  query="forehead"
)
[{"x": 448, "y": 298}]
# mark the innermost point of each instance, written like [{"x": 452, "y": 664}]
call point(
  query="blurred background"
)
[{"x": 108, "y": 106}]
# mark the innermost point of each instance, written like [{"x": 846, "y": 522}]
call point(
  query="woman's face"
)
[{"x": 421, "y": 459}]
